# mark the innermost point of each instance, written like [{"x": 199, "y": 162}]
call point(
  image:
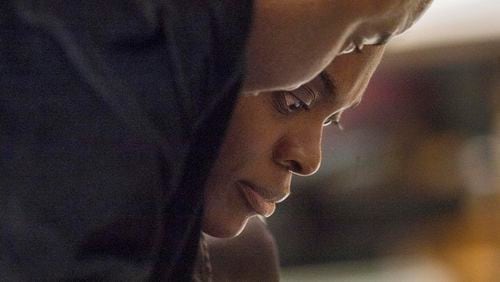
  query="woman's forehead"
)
[{"x": 352, "y": 72}]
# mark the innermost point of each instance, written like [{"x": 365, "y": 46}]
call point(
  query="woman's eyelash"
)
[
  {"x": 335, "y": 120},
  {"x": 281, "y": 102},
  {"x": 358, "y": 49},
  {"x": 338, "y": 124},
  {"x": 288, "y": 103},
  {"x": 310, "y": 96}
]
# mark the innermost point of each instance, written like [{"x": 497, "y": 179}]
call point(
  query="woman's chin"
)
[{"x": 224, "y": 228}]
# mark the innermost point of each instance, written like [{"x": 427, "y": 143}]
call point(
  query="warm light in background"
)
[{"x": 450, "y": 22}]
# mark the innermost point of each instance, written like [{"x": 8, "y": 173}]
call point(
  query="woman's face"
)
[{"x": 275, "y": 135}]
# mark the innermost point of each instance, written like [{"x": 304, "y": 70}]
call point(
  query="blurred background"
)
[{"x": 410, "y": 190}]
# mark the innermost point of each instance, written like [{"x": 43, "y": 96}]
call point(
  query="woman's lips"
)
[{"x": 256, "y": 201}]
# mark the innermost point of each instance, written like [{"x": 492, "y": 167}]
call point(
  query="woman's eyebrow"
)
[{"x": 329, "y": 84}]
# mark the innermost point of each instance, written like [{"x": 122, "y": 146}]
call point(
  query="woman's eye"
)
[
  {"x": 335, "y": 120},
  {"x": 287, "y": 103},
  {"x": 353, "y": 47},
  {"x": 358, "y": 49},
  {"x": 293, "y": 103}
]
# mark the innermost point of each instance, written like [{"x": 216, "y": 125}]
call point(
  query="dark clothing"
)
[{"x": 111, "y": 114}]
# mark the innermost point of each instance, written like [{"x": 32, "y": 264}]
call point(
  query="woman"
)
[
  {"x": 275, "y": 135},
  {"x": 271, "y": 137},
  {"x": 113, "y": 112}
]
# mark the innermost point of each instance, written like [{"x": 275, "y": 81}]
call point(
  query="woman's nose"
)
[{"x": 300, "y": 151}]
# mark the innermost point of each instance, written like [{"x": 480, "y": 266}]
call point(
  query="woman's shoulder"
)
[{"x": 251, "y": 256}]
